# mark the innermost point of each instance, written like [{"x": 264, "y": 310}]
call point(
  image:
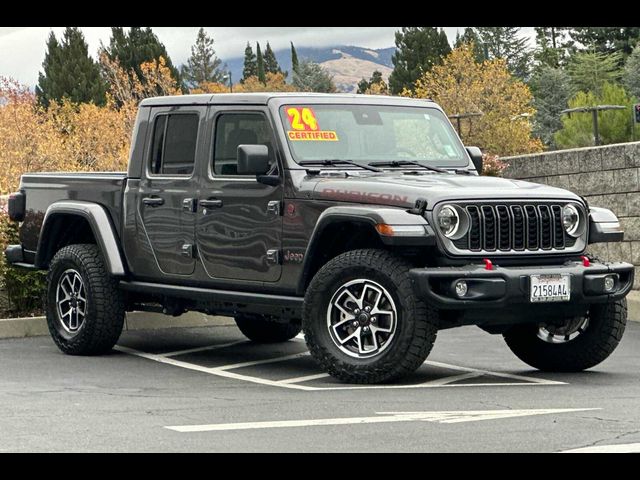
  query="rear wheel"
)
[
  {"x": 261, "y": 329},
  {"x": 573, "y": 345},
  {"x": 362, "y": 320},
  {"x": 85, "y": 309}
]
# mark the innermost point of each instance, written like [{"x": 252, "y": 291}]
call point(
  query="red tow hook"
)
[
  {"x": 585, "y": 261},
  {"x": 488, "y": 264}
]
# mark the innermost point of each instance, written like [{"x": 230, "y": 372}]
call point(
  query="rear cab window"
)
[{"x": 173, "y": 150}]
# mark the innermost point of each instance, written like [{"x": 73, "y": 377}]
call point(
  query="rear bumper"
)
[{"x": 510, "y": 286}]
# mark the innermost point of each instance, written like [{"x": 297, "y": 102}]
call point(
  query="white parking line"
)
[
  {"x": 295, "y": 383},
  {"x": 623, "y": 448},
  {"x": 382, "y": 417},
  {"x": 264, "y": 362},
  {"x": 201, "y": 349},
  {"x": 496, "y": 374},
  {"x": 211, "y": 371},
  {"x": 306, "y": 378}
]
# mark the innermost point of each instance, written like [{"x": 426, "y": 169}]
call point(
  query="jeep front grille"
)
[{"x": 514, "y": 228}]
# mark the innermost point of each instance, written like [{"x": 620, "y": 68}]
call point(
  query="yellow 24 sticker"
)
[{"x": 302, "y": 119}]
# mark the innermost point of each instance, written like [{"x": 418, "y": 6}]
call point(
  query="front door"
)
[
  {"x": 239, "y": 228},
  {"x": 167, "y": 194}
]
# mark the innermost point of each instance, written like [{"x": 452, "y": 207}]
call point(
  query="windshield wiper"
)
[
  {"x": 333, "y": 162},
  {"x": 402, "y": 163}
]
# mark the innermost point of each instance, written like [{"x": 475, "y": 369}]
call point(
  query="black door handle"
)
[
  {"x": 212, "y": 203},
  {"x": 153, "y": 201}
]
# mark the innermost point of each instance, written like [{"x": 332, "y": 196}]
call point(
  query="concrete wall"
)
[{"x": 606, "y": 176}]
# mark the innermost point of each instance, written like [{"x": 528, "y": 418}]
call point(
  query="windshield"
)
[{"x": 371, "y": 133}]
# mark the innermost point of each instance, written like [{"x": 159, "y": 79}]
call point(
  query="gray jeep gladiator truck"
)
[{"x": 361, "y": 220}]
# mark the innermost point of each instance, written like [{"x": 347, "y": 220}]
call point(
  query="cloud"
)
[{"x": 23, "y": 48}]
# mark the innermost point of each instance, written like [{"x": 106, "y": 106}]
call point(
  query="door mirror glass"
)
[
  {"x": 476, "y": 157},
  {"x": 253, "y": 160}
]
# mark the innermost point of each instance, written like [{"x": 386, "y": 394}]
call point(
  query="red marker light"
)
[
  {"x": 585, "y": 261},
  {"x": 488, "y": 265}
]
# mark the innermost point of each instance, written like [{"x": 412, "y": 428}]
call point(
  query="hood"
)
[{"x": 401, "y": 190}]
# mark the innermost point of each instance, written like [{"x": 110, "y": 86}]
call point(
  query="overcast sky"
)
[{"x": 22, "y": 49}]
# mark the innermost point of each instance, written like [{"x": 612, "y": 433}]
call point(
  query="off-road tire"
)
[
  {"x": 261, "y": 329},
  {"x": 105, "y": 307},
  {"x": 416, "y": 327},
  {"x": 607, "y": 322}
]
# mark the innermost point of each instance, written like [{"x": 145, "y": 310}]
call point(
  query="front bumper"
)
[{"x": 510, "y": 286}]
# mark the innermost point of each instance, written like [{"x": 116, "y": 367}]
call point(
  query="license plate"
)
[{"x": 550, "y": 288}]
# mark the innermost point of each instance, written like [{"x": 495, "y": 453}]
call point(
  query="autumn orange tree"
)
[{"x": 461, "y": 85}]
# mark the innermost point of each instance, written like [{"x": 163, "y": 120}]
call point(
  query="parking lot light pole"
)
[
  {"x": 594, "y": 111},
  {"x": 228, "y": 77}
]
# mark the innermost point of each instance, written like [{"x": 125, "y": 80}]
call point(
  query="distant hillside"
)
[{"x": 348, "y": 64}]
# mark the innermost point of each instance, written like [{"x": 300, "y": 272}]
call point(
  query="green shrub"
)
[
  {"x": 614, "y": 125},
  {"x": 22, "y": 290}
]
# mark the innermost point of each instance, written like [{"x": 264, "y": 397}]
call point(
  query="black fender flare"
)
[
  {"x": 101, "y": 226},
  {"x": 369, "y": 215}
]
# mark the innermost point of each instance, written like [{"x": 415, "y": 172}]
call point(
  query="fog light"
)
[
  {"x": 461, "y": 288},
  {"x": 609, "y": 283}
]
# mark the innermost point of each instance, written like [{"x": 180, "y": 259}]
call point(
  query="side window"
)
[
  {"x": 234, "y": 129},
  {"x": 173, "y": 151}
]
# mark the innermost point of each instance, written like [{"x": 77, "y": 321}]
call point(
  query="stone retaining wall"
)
[{"x": 606, "y": 176}]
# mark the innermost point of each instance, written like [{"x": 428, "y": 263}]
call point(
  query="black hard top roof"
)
[{"x": 282, "y": 98}]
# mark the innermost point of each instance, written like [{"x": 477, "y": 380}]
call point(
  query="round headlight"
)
[
  {"x": 448, "y": 221},
  {"x": 570, "y": 220}
]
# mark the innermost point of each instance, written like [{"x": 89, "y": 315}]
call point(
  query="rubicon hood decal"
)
[{"x": 403, "y": 190}]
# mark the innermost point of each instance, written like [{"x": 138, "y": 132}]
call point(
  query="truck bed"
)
[{"x": 43, "y": 189}]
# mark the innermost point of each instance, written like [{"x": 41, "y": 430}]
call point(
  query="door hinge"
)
[
  {"x": 188, "y": 250},
  {"x": 274, "y": 207},
  {"x": 190, "y": 205},
  {"x": 273, "y": 257}
]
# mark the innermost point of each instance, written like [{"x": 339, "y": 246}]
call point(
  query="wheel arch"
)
[
  {"x": 70, "y": 222},
  {"x": 343, "y": 228}
]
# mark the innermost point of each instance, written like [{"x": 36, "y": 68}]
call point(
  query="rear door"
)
[
  {"x": 168, "y": 189},
  {"x": 239, "y": 230}
]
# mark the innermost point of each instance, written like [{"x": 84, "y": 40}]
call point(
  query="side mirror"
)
[
  {"x": 476, "y": 157},
  {"x": 253, "y": 160}
]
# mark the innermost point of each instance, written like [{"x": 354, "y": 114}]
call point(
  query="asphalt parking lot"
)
[{"x": 208, "y": 389}]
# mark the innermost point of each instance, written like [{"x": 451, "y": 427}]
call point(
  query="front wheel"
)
[
  {"x": 573, "y": 345},
  {"x": 362, "y": 320},
  {"x": 85, "y": 309}
]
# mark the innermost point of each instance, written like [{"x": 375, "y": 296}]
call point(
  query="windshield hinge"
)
[{"x": 420, "y": 207}]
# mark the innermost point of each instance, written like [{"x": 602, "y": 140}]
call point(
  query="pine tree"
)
[
  {"x": 69, "y": 71},
  {"x": 262, "y": 77},
  {"x": 270, "y": 62},
  {"x": 294, "y": 58},
  {"x": 607, "y": 39},
  {"x": 376, "y": 81},
  {"x": 632, "y": 73},
  {"x": 469, "y": 36},
  {"x": 418, "y": 49},
  {"x": 508, "y": 44},
  {"x": 311, "y": 77},
  {"x": 203, "y": 66},
  {"x": 250, "y": 64},
  {"x": 552, "y": 89},
  {"x": 132, "y": 49},
  {"x": 591, "y": 70},
  {"x": 553, "y": 46}
]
